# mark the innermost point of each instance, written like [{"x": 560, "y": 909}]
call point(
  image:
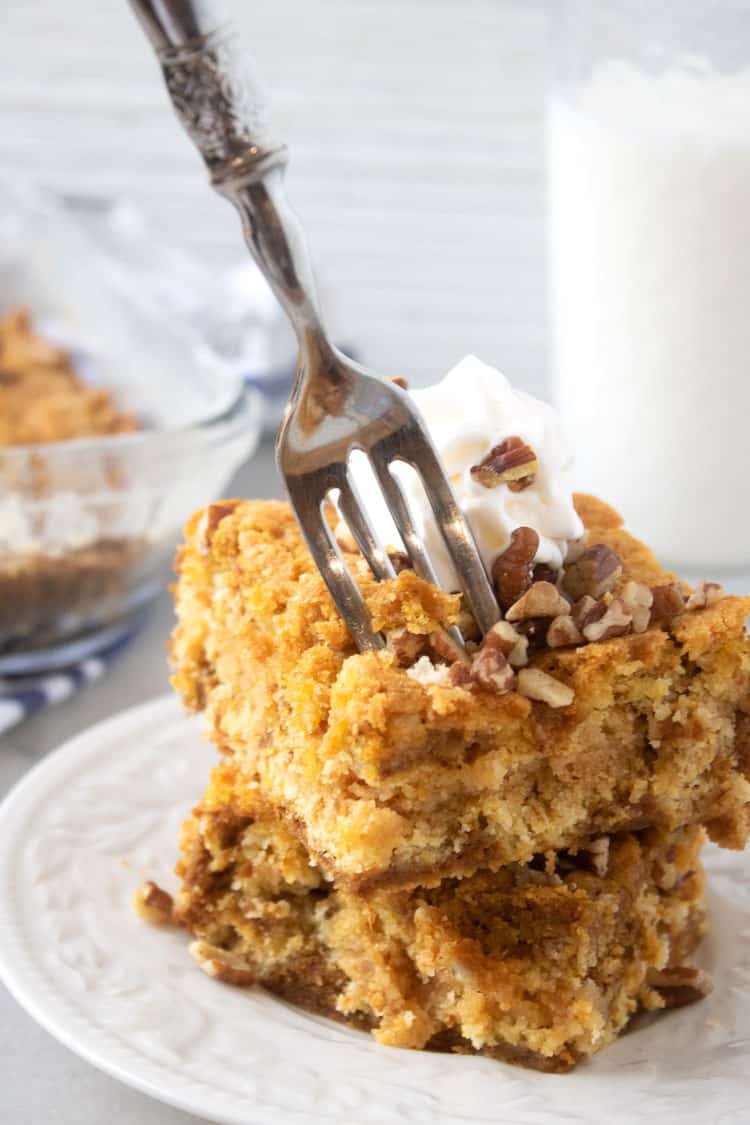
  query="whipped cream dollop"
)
[{"x": 470, "y": 411}]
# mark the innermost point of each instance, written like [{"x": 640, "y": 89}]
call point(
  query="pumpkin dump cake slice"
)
[
  {"x": 610, "y": 698},
  {"x": 484, "y": 848},
  {"x": 540, "y": 964}
]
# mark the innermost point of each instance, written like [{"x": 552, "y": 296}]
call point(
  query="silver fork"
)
[{"x": 336, "y": 406}]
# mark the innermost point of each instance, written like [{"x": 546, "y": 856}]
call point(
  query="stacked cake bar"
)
[{"x": 496, "y": 852}]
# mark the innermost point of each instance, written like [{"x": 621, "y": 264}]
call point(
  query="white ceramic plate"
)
[{"x": 89, "y": 823}]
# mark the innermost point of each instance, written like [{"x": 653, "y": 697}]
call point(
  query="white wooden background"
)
[{"x": 416, "y": 136}]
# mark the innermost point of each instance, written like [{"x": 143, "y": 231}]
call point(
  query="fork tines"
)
[{"x": 310, "y": 492}]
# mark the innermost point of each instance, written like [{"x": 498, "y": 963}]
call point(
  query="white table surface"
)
[{"x": 41, "y": 1082}]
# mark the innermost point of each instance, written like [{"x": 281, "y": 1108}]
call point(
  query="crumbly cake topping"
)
[
  {"x": 42, "y": 399},
  {"x": 539, "y": 963},
  {"x": 397, "y": 768}
]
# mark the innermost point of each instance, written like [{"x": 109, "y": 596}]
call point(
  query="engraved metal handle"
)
[{"x": 222, "y": 111}]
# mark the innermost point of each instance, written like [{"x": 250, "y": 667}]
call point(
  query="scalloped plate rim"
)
[
  {"x": 26, "y": 997},
  {"x": 47, "y": 1005}
]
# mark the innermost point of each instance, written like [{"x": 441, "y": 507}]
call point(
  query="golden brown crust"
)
[{"x": 391, "y": 781}]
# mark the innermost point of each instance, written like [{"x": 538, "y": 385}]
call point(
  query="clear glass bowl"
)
[{"x": 88, "y": 527}]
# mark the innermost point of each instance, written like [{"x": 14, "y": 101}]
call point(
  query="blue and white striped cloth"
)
[{"x": 23, "y": 693}]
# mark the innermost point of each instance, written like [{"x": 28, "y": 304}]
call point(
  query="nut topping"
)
[
  {"x": 459, "y": 675},
  {"x": 668, "y": 602},
  {"x": 221, "y": 964},
  {"x": 543, "y": 572},
  {"x": 511, "y": 570},
  {"x": 536, "y": 684},
  {"x": 513, "y": 646},
  {"x": 512, "y": 462},
  {"x": 637, "y": 599},
  {"x": 563, "y": 631},
  {"x": 534, "y": 629},
  {"x": 407, "y": 646},
  {"x": 445, "y": 648},
  {"x": 399, "y": 561},
  {"x": 586, "y": 610},
  {"x": 154, "y": 905},
  {"x": 540, "y": 600},
  {"x": 706, "y": 594},
  {"x": 491, "y": 670},
  {"x": 209, "y": 521},
  {"x": 614, "y": 622},
  {"x": 594, "y": 573},
  {"x": 679, "y": 985},
  {"x": 399, "y": 381}
]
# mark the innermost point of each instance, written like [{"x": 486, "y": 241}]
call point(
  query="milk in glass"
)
[{"x": 650, "y": 209}]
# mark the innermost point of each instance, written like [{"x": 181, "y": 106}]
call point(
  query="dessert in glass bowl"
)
[
  {"x": 113, "y": 426},
  {"x": 492, "y": 848},
  {"x": 42, "y": 397}
]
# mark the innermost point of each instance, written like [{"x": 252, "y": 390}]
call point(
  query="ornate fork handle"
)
[{"x": 220, "y": 108}]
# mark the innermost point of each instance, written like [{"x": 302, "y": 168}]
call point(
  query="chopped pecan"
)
[
  {"x": 614, "y": 622},
  {"x": 563, "y": 631},
  {"x": 540, "y": 600},
  {"x": 406, "y": 645},
  {"x": 444, "y": 647},
  {"x": 511, "y": 570},
  {"x": 705, "y": 594},
  {"x": 638, "y": 599},
  {"x": 594, "y": 573},
  {"x": 399, "y": 382},
  {"x": 668, "y": 602},
  {"x": 221, "y": 963},
  {"x": 543, "y": 572},
  {"x": 679, "y": 985},
  {"x": 491, "y": 670},
  {"x": 459, "y": 675},
  {"x": 399, "y": 561},
  {"x": 539, "y": 685},
  {"x": 586, "y": 610},
  {"x": 511, "y": 462},
  {"x": 534, "y": 629},
  {"x": 209, "y": 521},
  {"x": 154, "y": 905},
  {"x": 514, "y": 646}
]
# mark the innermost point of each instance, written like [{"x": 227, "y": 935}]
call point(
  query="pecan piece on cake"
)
[{"x": 512, "y": 462}]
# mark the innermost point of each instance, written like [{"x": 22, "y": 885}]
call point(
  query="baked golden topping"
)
[{"x": 42, "y": 398}]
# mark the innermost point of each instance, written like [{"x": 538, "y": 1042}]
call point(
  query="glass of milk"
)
[{"x": 649, "y": 157}]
